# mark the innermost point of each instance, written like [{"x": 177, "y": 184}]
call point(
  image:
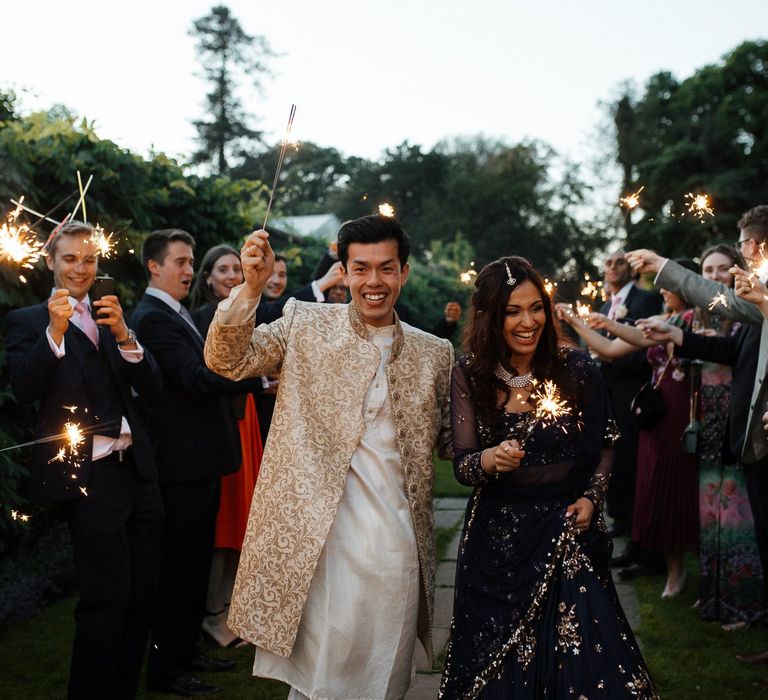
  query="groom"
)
[{"x": 336, "y": 577}]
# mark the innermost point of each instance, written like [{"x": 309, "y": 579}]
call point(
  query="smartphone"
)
[{"x": 102, "y": 286}]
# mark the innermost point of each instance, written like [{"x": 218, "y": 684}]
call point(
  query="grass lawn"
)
[
  {"x": 689, "y": 658},
  {"x": 445, "y": 482}
]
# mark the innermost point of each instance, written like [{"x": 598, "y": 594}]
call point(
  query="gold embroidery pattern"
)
[{"x": 568, "y": 638}]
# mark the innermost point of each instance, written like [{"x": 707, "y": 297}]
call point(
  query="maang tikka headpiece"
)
[{"x": 510, "y": 280}]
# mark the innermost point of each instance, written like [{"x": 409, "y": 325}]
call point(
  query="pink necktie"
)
[
  {"x": 87, "y": 324},
  {"x": 615, "y": 303}
]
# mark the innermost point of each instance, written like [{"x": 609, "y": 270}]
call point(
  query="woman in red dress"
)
[{"x": 220, "y": 271}]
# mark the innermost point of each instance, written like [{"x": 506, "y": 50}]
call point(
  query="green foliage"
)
[
  {"x": 40, "y": 154},
  {"x": 227, "y": 54},
  {"x": 708, "y": 133}
]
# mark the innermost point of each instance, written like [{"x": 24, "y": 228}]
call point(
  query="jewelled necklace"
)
[{"x": 517, "y": 381}]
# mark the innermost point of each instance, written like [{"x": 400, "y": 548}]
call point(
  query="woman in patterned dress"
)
[{"x": 535, "y": 614}]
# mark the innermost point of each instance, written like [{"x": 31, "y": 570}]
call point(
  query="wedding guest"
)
[
  {"x": 83, "y": 371},
  {"x": 730, "y": 574},
  {"x": 747, "y": 353},
  {"x": 336, "y": 577},
  {"x": 535, "y": 612},
  {"x": 221, "y": 271},
  {"x": 196, "y": 443},
  {"x": 666, "y": 499},
  {"x": 624, "y": 376}
]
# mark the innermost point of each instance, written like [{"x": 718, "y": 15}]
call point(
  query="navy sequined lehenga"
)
[{"x": 536, "y": 614}]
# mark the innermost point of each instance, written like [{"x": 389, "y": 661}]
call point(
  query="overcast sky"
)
[{"x": 367, "y": 76}]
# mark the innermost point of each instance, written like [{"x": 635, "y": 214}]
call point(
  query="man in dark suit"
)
[
  {"x": 83, "y": 372},
  {"x": 196, "y": 442},
  {"x": 624, "y": 377}
]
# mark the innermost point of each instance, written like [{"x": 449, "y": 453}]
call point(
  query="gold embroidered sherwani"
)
[{"x": 326, "y": 364}]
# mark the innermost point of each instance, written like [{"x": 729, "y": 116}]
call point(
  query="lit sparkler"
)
[
  {"x": 75, "y": 436},
  {"x": 718, "y": 299},
  {"x": 18, "y": 244},
  {"x": 468, "y": 275},
  {"x": 631, "y": 201},
  {"x": 387, "y": 210},
  {"x": 16, "y": 515},
  {"x": 549, "y": 406},
  {"x": 287, "y": 141},
  {"x": 699, "y": 205},
  {"x": 104, "y": 242},
  {"x": 583, "y": 311}
]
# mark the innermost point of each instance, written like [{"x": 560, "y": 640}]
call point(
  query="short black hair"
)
[
  {"x": 373, "y": 229},
  {"x": 155, "y": 246},
  {"x": 281, "y": 258}
]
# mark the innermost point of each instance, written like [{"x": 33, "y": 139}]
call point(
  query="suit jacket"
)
[
  {"x": 38, "y": 375},
  {"x": 326, "y": 364},
  {"x": 625, "y": 375},
  {"x": 191, "y": 423},
  {"x": 269, "y": 311},
  {"x": 700, "y": 292}
]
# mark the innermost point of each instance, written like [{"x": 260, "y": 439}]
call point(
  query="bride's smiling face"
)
[{"x": 524, "y": 320}]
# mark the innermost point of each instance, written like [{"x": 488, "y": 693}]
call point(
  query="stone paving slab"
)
[
  {"x": 425, "y": 687},
  {"x": 450, "y": 504},
  {"x": 448, "y": 518},
  {"x": 446, "y": 574}
]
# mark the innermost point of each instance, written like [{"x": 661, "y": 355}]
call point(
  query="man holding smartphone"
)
[{"x": 83, "y": 372}]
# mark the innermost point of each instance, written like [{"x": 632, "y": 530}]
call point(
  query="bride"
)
[{"x": 535, "y": 614}]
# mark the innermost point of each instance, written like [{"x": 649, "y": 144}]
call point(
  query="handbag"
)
[
  {"x": 692, "y": 432},
  {"x": 647, "y": 405}
]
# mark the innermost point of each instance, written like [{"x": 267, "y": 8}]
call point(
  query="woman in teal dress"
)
[{"x": 730, "y": 575}]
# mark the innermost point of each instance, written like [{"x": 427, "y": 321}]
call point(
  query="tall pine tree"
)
[{"x": 228, "y": 55}]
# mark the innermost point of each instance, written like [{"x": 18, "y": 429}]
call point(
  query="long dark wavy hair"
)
[{"x": 484, "y": 342}]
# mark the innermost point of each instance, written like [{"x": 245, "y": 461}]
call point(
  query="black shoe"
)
[
  {"x": 204, "y": 663},
  {"x": 631, "y": 572},
  {"x": 186, "y": 686}
]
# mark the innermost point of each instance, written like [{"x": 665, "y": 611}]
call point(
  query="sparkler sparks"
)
[
  {"x": 718, "y": 299},
  {"x": 18, "y": 244},
  {"x": 59, "y": 457},
  {"x": 104, "y": 242},
  {"x": 16, "y": 515},
  {"x": 583, "y": 310},
  {"x": 699, "y": 205},
  {"x": 75, "y": 436},
  {"x": 549, "y": 405},
  {"x": 550, "y": 287},
  {"x": 71, "y": 409},
  {"x": 760, "y": 269},
  {"x": 468, "y": 275},
  {"x": 631, "y": 201},
  {"x": 387, "y": 210}
]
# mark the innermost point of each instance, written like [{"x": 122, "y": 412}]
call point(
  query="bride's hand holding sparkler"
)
[
  {"x": 258, "y": 260},
  {"x": 505, "y": 457},
  {"x": 59, "y": 313},
  {"x": 644, "y": 261},
  {"x": 599, "y": 321},
  {"x": 581, "y": 510}
]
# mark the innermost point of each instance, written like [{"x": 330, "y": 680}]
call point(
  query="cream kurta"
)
[
  {"x": 327, "y": 365},
  {"x": 358, "y": 631}
]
